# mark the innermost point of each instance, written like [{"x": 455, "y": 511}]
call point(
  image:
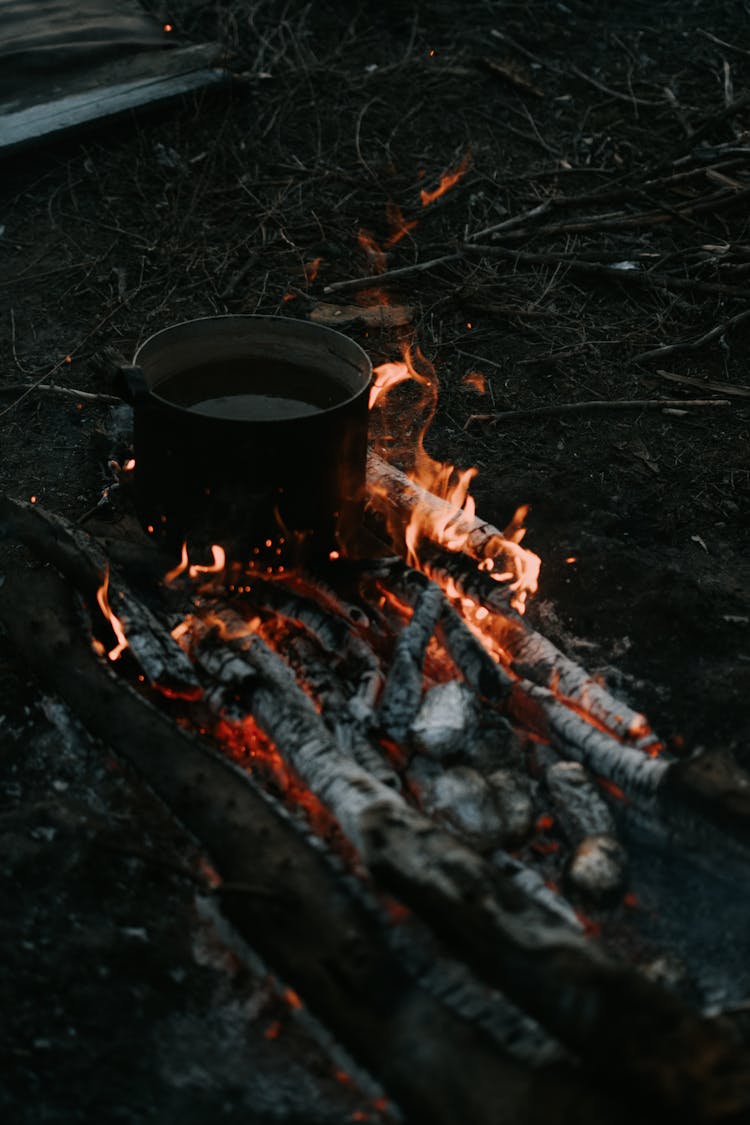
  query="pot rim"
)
[{"x": 320, "y": 330}]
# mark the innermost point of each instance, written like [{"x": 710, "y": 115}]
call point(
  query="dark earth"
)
[{"x": 121, "y": 1000}]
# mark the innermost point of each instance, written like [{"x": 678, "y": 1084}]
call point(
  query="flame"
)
[
  {"x": 219, "y": 562},
  {"x": 181, "y": 567},
  {"x": 387, "y": 375},
  {"x": 477, "y": 382},
  {"x": 115, "y": 623},
  {"x": 398, "y": 224},
  {"x": 219, "y": 556},
  {"x": 374, "y": 252},
  {"x": 311, "y": 269},
  {"x": 447, "y": 181}
]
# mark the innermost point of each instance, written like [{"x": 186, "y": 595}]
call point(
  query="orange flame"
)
[
  {"x": 115, "y": 623},
  {"x": 398, "y": 224},
  {"x": 219, "y": 556},
  {"x": 450, "y": 523},
  {"x": 447, "y": 181},
  {"x": 477, "y": 382},
  {"x": 311, "y": 269},
  {"x": 376, "y": 255},
  {"x": 181, "y": 567},
  {"x": 387, "y": 375}
]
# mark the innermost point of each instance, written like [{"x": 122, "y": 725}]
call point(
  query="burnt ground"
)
[{"x": 120, "y": 1002}]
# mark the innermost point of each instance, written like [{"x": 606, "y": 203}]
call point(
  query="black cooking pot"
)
[{"x": 249, "y": 429}]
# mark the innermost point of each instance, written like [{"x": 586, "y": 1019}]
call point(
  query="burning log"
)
[
  {"x": 597, "y": 867},
  {"x": 80, "y": 559},
  {"x": 337, "y": 637},
  {"x": 438, "y": 1065},
  {"x": 403, "y": 687},
  {"x": 531, "y": 656},
  {"x": 390, "y": 491},
  {"x": 316, "y": 676},
  {"x": 625, "y": 1027}
]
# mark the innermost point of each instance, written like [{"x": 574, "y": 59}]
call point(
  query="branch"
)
[{"x": 596, "y": 407}]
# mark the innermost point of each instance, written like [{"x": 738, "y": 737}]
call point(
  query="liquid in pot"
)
[{"x": 253, "y": 390}]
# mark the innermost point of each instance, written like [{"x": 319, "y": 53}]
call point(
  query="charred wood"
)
[
  {"x": 435, "y": 1064},
  {"x": 316, "y": 675},
  {"x": 403, "y": 687},
  {"x": 80, "y": 559},
  {"x": 446, "y": 722},
  {"x": 597, "y": 866},
  {"x": 623, "y": 1026}
]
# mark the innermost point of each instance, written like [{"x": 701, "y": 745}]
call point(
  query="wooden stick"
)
[
  {"x": 82, "y": 561},
  {"x": 311, "y": 925},
  {"x": 403, "y": 687},
  {"x": 692, "y": 345},
  {"x": 52, "y": 388},
  {"x": 390, "y": 275},
  {"x": 596, "y": 407}
]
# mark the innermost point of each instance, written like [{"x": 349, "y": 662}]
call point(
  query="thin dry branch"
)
[{"x": 596, "y": 406}]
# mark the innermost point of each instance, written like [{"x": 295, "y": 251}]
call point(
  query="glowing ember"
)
[
  {"x": 103, "y": 601},
  {"x": 182, "y": 566},
  {"x": 447, "y": 181}
]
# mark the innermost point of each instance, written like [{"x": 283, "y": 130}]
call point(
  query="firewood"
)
[
  {"x": 628, "y": 1029},
  {"x": 317, "y": 677},
  {"x": 403, "y": 687},
  {"x": 80, "y": 559},
  {"x": 446, "y": 721},
  {"x": 459, "y": 797},
  {"x": 338, "y": 637},
  {"x": 390, "y": 492},
  {"x": 437, "y": 1065},
  {"x": 533, "y": 886},
  {"x": 531, "y": 656},
  {"x": 598, "y": 863}
]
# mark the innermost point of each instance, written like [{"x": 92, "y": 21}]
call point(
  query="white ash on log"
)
[
  {"x": 390, "y": 492},
  {"x": 512, "y": 795},
  {"x": 337, "y": 637},
  {"x": 437, "y": 1065},
  {"x": 315, "y": 674},
  {"x": 461, "y": 798},
  {"x": 77, "y": 556},
  {"x": 527, "y": 653},
  {"x": 533, "y": 886},
  {"x": 598, "y": 864},
  {"x": 447, "y": 721},
  {"x": 627, "y": 1029},
  {"x": 403, "y": 687}
]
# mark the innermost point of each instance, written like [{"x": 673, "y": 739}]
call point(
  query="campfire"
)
[{"x": 475, "y": 788}]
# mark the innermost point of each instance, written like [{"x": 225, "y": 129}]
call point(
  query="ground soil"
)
[{"x": 220, "y": 205}]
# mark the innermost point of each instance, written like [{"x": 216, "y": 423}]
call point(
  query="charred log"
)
[
  {"x": 597, "y": 866},
  {"x": 82, "y": 561},
  {"x": 436, "y": 1065},
  {"x": 403, "y": 687}
]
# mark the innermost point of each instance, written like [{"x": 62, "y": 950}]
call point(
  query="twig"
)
[
  {"x": 52, "y": 388},
  {"x": 630, "y": 98},
  {"x": 637, "y": 278},
  {"x": 722, "y": 42},
  {"x": 691, "y": 345},
  {"x": 515, "y": 221},
  {"x": 389, "y": 275},
  {"x": 595, "y": 407}
]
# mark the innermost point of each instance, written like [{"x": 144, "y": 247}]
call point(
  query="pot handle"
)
[{"x": 130, "y": 384}]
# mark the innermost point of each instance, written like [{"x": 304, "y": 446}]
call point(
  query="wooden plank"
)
[{"x": 178, "y": 73}]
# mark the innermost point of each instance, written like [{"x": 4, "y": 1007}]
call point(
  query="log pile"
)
[{"x": 408, "y": 724}]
